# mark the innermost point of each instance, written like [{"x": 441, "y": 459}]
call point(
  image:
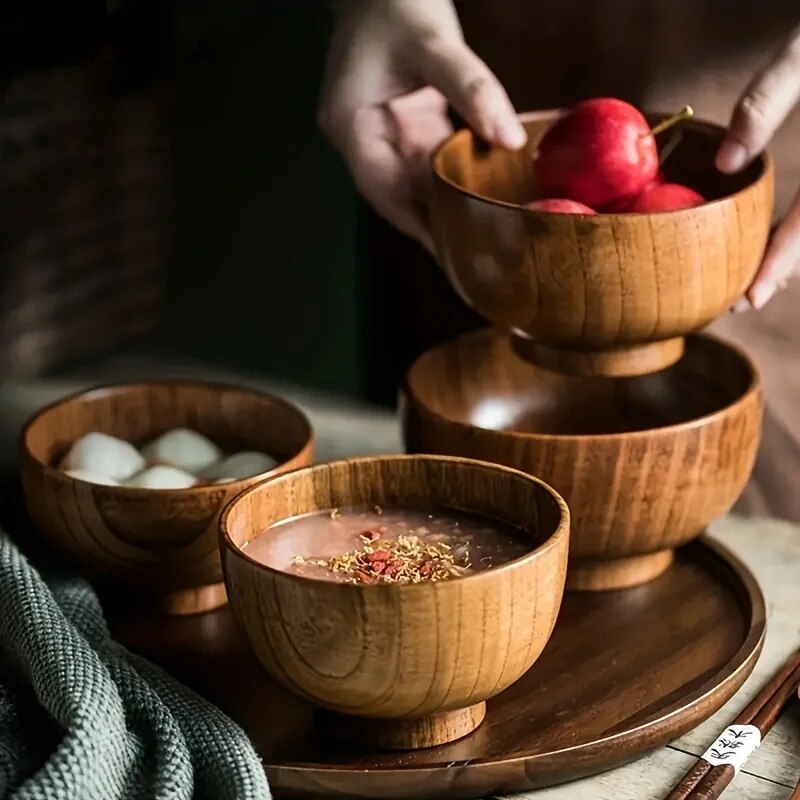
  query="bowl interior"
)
[
  {"x": 479, "y": 380},
  {"x": 232, "y": 417},
  {"x": 416, "y": 482},
  {"x": 497, "y": 174}
]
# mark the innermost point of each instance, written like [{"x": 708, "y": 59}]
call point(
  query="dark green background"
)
[{"x": 266, "y": 273}]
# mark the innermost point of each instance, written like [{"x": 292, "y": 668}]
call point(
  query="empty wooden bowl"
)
[
  {"x": 160, "y": 544},
  {"x": 643, "y": 463},
  {"x": 400, "y": 666},
  {"x": 612, "y": 294}
]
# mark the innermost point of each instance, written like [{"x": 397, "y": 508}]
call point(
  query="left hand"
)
[{"x": 762, "y": 109}]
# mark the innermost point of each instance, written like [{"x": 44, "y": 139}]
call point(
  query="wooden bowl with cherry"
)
[
  {"x": 157, "y": 546},
  {"x": 399, "y": 666},
  {"x": 610, "y": 293},
  {"x": 644, "y": 463}
]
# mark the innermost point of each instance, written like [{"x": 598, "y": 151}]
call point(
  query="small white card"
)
[{"x": 733, "y": 746}]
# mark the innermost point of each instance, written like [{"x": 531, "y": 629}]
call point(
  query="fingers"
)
[
  {"x": 781, "y": 260},
  {"x": 387, "y": 149},
  {"x": 471, "y": 88},
  {"x": 382, "y": 174},
  {"x": 762, "y": 109},
  {"x": 381, "y": 179}
]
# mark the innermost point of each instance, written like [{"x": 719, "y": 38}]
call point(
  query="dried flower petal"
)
[{"x": 406, "y": 559}]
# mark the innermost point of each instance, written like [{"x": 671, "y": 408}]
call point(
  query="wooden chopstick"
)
[
  {"x": 764, "y": 709},
  {"x": 796, "y": 792},
  {"x": 717, "y": 778}
]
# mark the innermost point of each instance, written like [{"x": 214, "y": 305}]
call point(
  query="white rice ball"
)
[
  {"x": 240, "y": 465},
  {"x": 105, "y": 456},
  {"x": 91, "y": 477},
  {"x": 182, "y": 448},
  {"x": 161, "y": 477}
]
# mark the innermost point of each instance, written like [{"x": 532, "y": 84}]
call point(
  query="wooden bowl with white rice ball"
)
[{"x": 129, "y": 480}]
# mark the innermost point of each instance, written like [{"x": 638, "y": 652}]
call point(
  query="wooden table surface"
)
[{"x": 771, "y": 548}]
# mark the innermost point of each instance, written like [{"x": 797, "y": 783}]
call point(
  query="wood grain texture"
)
[
  {"x": 161, "y": 542},
  {"x": 762, "y": 713},
  {"x": 648, "y": 778},
  {"x": 407, "y": 733},
  {"x": 202, "y": 649},
  {"x": 719, "y": 777},
  {"x": 400, "y": 652},
  {"x": 644, "y": 463},
  {"x": 622, "y": 673},
  {"x": 611, "y": 282}
]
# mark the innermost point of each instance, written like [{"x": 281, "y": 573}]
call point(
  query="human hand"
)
[
  {"x": 393, "y": 67},
  {"x": 764, "y": 106}
]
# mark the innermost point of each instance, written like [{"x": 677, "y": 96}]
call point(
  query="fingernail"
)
[
  {"x": 731, "y": 157},
  {"x": 510, "y": 133},
  {"x": 742, "y": 304},
  {"x": 761, "y": 295}
]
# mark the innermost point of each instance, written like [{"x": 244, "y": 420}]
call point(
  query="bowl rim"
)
[
  {"x": 126, "y": 386},
  {"x": 764, "y": 159},
  {"x": 553, "y": 540},
  {"x": 754, "y": 388}
]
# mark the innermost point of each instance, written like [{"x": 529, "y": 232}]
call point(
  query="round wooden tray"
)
[{"x": 624, "y": 672}]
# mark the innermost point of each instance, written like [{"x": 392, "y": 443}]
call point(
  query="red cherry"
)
[
  {"x": 666, "y": 197},
  {"x": 621, "y": 206},
  {"x": 558, "y": 205},
  {"x": 600, "y": 152}
]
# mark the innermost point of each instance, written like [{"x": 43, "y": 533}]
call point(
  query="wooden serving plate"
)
[{"x": 624, "y": 672}]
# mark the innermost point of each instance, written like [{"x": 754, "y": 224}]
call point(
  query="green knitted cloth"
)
[{"x": 81, "y": 718}]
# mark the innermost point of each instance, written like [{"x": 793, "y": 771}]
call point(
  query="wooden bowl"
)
[
  {"x": 643, "y": 463},
  {"x": 160, "y": 543},
  {"x": 400, "y": 666},
  {"x": 612, "y": 294}
]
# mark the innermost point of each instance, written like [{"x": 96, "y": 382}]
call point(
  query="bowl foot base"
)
[
  {"x": 404, "y": 734},
  {"x": 120, "y": 598},
  {"x": 615, "y": 363},
  {"x": 619, "y": 573},
  {"x": 185, "y": 602}
]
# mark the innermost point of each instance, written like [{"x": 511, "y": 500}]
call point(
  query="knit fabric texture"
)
[{"x": 82, "y": 718}]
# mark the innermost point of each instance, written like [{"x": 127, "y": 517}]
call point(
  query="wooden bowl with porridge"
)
[{"x": 397, "y": 593}]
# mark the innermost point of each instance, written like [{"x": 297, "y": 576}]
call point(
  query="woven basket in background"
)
[{"x": 85, "y": 217}]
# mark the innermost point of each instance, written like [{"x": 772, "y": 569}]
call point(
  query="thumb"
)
[
  {"x": 762, "y": 109},
  {"x": 472, "y": 89}
]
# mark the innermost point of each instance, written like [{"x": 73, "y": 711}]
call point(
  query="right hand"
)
[{"x": 392, "y": 68}]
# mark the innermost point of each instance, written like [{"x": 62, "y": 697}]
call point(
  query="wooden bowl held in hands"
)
[
  {"x": 401, "y": 666},
  {"x": 611, "y": 294},
  {"x": 161, "y": 543},
  {"x": 643, "y": 463}
]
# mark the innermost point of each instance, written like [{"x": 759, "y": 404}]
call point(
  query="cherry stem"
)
[
  {"x": 687, "y": 112},
  {"x": 669, "y": 147}
]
